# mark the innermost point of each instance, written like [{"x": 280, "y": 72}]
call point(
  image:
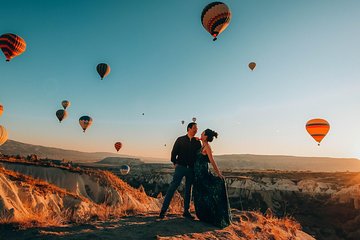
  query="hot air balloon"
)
[
  {"x": 103, "y": 69},
  {"x": 317, "y": 128},
  {"x": 252, "y": 65},
  {"x": 182, "y": 122},
  {"x": 118, "y": 145},
  {"x": 65, "y": 104},
  {"x": 215, "y": 18},
  {"x": 12, "y": 45},
  {"x": 1, "y": 109},
  {"x": 61, "y": 114},
  {"x": 85, "y": 122},
  {"x": 3, "y": 135},
  {"x": 124, "y": 169},
  {"x": 194, "y": 119}
]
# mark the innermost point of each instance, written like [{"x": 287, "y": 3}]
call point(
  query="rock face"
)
[{"x": 49, "y": 195}]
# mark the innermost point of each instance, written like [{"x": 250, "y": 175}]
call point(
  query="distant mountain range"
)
[
  {"x": 12, "y": 147},
  {"x": 233, "y": 161},
  {"x": 288, "y": 163}
]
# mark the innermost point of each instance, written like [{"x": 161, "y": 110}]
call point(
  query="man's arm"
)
[{"x": 175, "y": 151}]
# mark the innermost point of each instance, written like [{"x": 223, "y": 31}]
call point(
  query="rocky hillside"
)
[
  {"x": 44, "y": 197},
  {"x": 325, "y": 204},
  {"x": 55, "y": 195}
]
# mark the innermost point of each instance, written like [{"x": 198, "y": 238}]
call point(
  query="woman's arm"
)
[{"x": 212, "y": 161}]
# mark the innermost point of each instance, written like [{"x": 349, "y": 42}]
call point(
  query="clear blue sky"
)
[{"x": 163, "y": 63}]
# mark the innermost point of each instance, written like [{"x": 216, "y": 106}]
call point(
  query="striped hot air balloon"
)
[
  {"x": 65, "y": 104},
  {"x": 61, "y": 114},
  {"x": 1, "y": 109},
  {"x": 124, "y": 169},
  {"x": 118, "y": 146},
  {"x": 317, "y": 128},
  {"x": 3, "y": 135},
  {"x": 103, "y": 69},
  {"x": 12, "y": 45},
  {"x": 215, "y": 18},
  {"x": 252, "y": 65},
  {"x": 85, "y": 122}
]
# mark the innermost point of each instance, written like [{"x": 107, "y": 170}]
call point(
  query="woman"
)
[{"x": 210, "y": 195}]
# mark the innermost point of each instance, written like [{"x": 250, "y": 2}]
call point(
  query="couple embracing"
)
[{"x": 190, "y": 157}]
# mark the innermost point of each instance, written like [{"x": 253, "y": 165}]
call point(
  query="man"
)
[{"x": 183, "y": 156}]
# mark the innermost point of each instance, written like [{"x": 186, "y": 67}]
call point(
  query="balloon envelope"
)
[
  {"x": 3, "y": 135},
  {"x": 103, "y": 70},
  {"x": 85, "y": 122},
  {"x": 65, "y": 104},
  {"x": 61, "y": 114},
  {"x": 118, "y": 146},
  {"x": 317, "y": 128},
  {"x": 1, "y": 109},
  {"x": 124, "y": 169},
  {"x": 215, "y": 18},
  {"x": 252, "y": 65},
  {"x": 182, "y": 122},
  {"x": 194, "y": 119},
  {"x": 12, "y": 45}
]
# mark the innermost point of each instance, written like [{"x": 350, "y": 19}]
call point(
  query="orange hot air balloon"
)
[
  {"x": 12, "y": 45},
  {"x": 215, "y": 18},
  {"x": 318, "y": 128},
  {"x": 118, "y": 145},
  {"x": 1, "y": 109},
  {"x": 252, "y": 65}
]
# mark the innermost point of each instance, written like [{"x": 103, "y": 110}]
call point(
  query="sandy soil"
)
[{"x": 149, "y": 227}]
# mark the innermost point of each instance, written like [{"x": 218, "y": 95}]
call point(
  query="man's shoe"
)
[
  {"x": 188, "y": 215},
  {"x": 162, "y": 215}
]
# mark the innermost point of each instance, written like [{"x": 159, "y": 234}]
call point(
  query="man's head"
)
[{"x": 192, "y": 129}]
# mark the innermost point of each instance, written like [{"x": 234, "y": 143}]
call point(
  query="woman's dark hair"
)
[{"x": 210, "y": 135}]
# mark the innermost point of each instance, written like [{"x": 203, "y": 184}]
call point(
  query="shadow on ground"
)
[{"x": 133, "y": 227}]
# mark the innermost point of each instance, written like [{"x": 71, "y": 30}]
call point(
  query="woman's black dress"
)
[{"x": 210, "y": 195}]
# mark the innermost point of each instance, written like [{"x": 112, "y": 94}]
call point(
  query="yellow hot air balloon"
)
[
  {"x": 317, "y": 128},
  {"x": 1, "y": 109},
  {"x": 252, "y": 65},
  {"x": 215, "y": 18},
  {"x": 3, "y": 135}
]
